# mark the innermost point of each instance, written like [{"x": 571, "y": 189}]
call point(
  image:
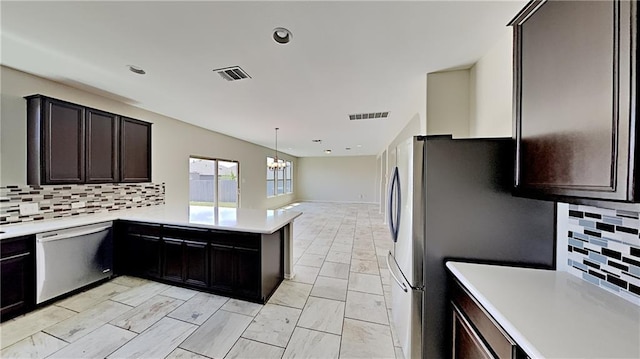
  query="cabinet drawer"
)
[
  {"x": 192, "y": 234},
  {"x": 141, "y": 228},
  {"x": 466, "y": 341},
  {"x": 501, "y": 345},
  {"x": 14, "y": 246},
  {"x": 237, "y": 240}
]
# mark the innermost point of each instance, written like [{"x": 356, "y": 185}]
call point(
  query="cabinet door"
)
[
  {"x": 196, "y": 268},
  {"x": 466, "y": 341},
  {"x": 63, "y": 143},
  {"x": 574, "y": 80},
  {"x": 135, "y": 150},
  {"x": 144, "y": 256},
  {"x": 247, "y": 272},
  {"x": 102, "y": 146},
  {"x": 17, "y": 282},
  {"x": 223, "y": 262},
  {"x": 172, "y": 259}
]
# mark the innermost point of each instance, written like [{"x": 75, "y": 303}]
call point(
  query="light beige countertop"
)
[
  {"x": 229, "y": 219},
  {"x": 553, "y": 314}
]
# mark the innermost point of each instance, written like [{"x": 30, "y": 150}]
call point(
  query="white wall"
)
[
  {"x": 173, "y": 142},
  {"x": 448, "y": 103},
  {"x": 491, "y": 91},
  {"x": 337, "y": 179}
]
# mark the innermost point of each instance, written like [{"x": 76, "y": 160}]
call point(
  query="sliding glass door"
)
[
  {"x": 228, "y": 184},
  {"x": 213, "y": 182}
]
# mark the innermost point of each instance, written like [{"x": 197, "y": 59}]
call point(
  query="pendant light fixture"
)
[{"x": 276, "y": 164}]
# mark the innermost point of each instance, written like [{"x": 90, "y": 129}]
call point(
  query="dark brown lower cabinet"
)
[
  {"x": 137, "y": 249},
  {"x": 236, "y": 270},
  {"x": 184, "y": 261},
  {"x": 466, "y": 341},
  {"x": 145, "y": 255},
  {"x": 247, "y": 272},
  {"x": 196, "y": 258},
  {"x": 172, "y": 259},
  {"x": 241, "y": 265},
  {"x": 475, "y": 333},
  {"x": 17, "y": 276},
  {"x": 223, "y": 262}
]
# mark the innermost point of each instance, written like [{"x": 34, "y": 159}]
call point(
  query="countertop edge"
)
[
  {"x": 527, "y": 346},
  {"x": 269, "y": 230},
  {"x": 127, "y": 215}
]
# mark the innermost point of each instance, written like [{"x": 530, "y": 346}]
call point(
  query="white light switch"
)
[{"x": 29, "y": 208}]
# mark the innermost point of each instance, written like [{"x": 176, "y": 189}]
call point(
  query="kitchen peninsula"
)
[{"x": 242, "y": 253}]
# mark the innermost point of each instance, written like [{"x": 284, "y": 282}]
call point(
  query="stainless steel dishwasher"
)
[{"x": 72, "y": 258}]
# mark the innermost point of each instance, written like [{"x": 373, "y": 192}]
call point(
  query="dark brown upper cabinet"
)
[
  {"x": 575, "y": 100},
  {"x": 69, "y": 143},
  {"x": 102, "y": 146},
  {"x": 56, "y": 143},
  {"x": 135, "y": 151}
]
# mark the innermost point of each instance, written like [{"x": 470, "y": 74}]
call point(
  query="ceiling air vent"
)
[
  {"x": 234, "y": 73},
  {"x": 368, "y": 116}
]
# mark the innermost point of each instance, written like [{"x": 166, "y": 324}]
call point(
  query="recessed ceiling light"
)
[
  {"x": 327, "y": 152},
  {"x": 282, "y": 35},
  {"x": 136, "y": 70},
  {"x": 358, "y": 145}
]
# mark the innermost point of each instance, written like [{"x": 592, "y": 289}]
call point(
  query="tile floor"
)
[{"x": 337, "y": 306}]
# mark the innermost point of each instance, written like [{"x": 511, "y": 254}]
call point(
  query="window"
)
[
  {"x": 280, "y": 180},
  {"x": 213, "y": 182}
]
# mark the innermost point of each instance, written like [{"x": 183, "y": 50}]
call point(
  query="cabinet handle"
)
[
  {"x": 196, "y": 243},
  {"x": 172, "y": 240},
  {"x": 221, "y": 246},
  {"x": 15, "y": 256},
  {"x": 189, "y": 229}
]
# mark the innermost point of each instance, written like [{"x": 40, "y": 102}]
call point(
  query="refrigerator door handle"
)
[
  {"x": 394, "y": 196},
  {"x": 393, "y": 275}
]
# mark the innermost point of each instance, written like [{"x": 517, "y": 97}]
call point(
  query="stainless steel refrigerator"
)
[{"x": 451, "y": 199}]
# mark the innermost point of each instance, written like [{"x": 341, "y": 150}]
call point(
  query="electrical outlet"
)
[
  {"x": 29, "y": 208},
  {"x": 80, "y": 204}
]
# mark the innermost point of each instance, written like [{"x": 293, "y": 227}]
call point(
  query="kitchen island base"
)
[{"x": 241, "y": 265}]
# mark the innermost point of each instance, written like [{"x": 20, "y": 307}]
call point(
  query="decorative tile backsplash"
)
[
  {"x": 604, "y": 249},
  {"x": 59, "y": 201}
]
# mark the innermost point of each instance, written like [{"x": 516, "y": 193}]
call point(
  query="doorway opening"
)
[{"x": 214, "y": 182}]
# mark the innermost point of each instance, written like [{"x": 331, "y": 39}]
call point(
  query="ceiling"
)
[{"x": 344, "y": 58}]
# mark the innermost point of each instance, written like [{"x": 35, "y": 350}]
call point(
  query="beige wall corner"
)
[
  {"x": 448, "y": 103},
  {"x": 491, "y": 91}
]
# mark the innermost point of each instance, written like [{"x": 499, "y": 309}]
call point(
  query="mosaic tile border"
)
[
  {"x": 604, "y": 249},
  {"x": 58, "y": 201}
]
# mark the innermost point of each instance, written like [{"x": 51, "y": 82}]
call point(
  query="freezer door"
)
[{"x": 406, "y": 314}]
